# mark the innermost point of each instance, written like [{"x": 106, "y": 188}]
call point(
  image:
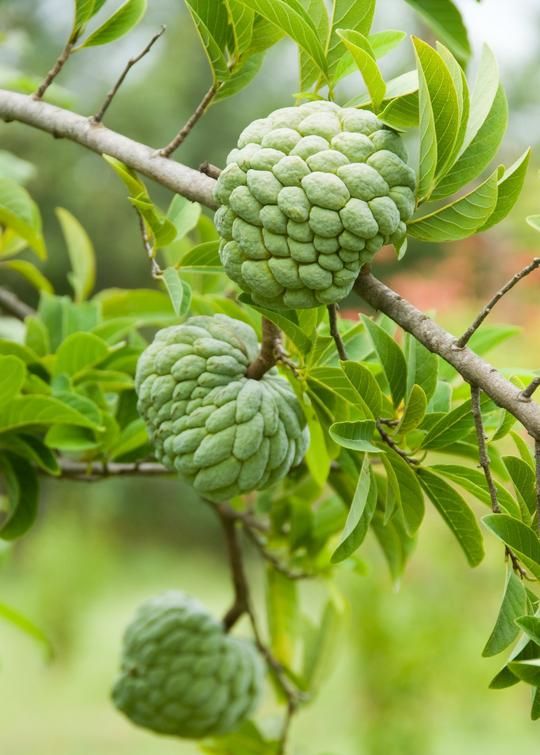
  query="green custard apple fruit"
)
[
  {"x": 225, "y": 433},
  {"x": 308, "y": 197},
  {"x": 181, "y": 674}
]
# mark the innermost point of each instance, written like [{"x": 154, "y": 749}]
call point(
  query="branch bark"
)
[
  {"x": 271, "y": 338},
  {"x": 192, "y": 121},
  {"x": 11, "y": 304},
  {"x": 59, "y": 122},
  {"x": 88, "y": 472},
  {"x": 471, "y": 367}
]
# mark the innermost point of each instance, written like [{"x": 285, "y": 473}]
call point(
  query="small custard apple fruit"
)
[
  {"x": 308, "y": 197},
  {"x": 181, "y": 674},
  {"x": 225, "y": 433}
]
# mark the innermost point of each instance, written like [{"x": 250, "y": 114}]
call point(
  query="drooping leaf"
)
[
  {"x": 529, "y": 624},
  {"x": 31, "y": 273},
  {"x": 355, "y": 435},
  {"x": 176, "y": 288},
  {"x": 22, "y": 490},
  {"x": 483, "y": 95},
  {"x": 456, "y": 513},
  {"x": 19, "y": 212},
  {"x": 412, "y": 498},
  {"x": 365, "y": 384},
  {"x": 32, "y": 411},
  {"x": 121, "y": 22},
  {"x": 287, "y": 321},
  {"x": 361, "y": 510},
  {"x": 81, "y": 254},
  {"x": 78, "y": 352},
  {"x": 25, "y": 625},
  {"x": 514, "y": 605},
  {"x": 422, "y": 367},
  {"x": 474, "y": 482},
  {"x": 203, "y": 258},
  {"x": 145, "y": 306},
  {"x": 392, "y": 359},
  {"x": 282, "y": 604},
  {"x": 519, "y": 537},
  {"x": 415, "y": 409}
]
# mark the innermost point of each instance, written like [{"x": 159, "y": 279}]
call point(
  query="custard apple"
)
[
  {"x": 181, "y": 674},
  {"x": 309, "y": 196},
  {"x": 225, "y": 433}
]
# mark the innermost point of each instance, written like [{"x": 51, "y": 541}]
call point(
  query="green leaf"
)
[
  {"x": 534, "y": 222},
  {"x": 514, "y": 605},
  {"x": 145, "y": 306},
  {"x": 474, "y": 482},
  {"x": 309, "y": 71},
  {"x": 241, "y": 20},
  {"x": 402, "y": 113},
  {"x": 22, "y": 492},
  {"x": 161, "y": 230},
  {"x": 320, "y": 646},
  {"x": 364, "y": 500},
  {"x": 422, "y": 367},
  {"x": 240, "y": 77},
  {"x": 527, "y": 671},
  {"x": 12, "y": 377},
  {"x": 427, "y": 157},
  {"x": 23, "y": 624},
  {"x": 510, "y": 186},
  {"x": 383, "y": 42},
  {"x": 282, "y": 612},
  {"x": 446, "y": 21},
  {"x": 19, "y": 212},
  {"x": 484, "y": 93},
  {"x": 317, "y": 457},
  {"x": 391, "y": 357},
  {"x": 184, "y": 215},
  {"x": 365, "y": 384},
  {"x": 524, "y": 480},
  {"x": 32, "y": 449},
  {"x": 31, "y": 273},
  {"x": 84, "y": 10},
  {"x": 529, "y": 624},
  {"x": 355, "y": 435},
  {"x": 121, "y": 22},
  {"x": 293, "y": 19},
  {"x": 287, "y": 321},
  {"x": 415, "y": 410},
  {"x": 246, "y": 739},
  {"x": 517, "y": 536},
  {"x": 31, "y": 411},
  {"x": 175, "y": 288},
  {"x": 452, "y": 427},
  {"x": 81, "y": 255},
  {"x": 456, "y": 513},
  {"x": 480, "y": 152},
  {"x": 203, "y": 258},
  {"x": 347, "y": 14},
  {"x": 358, "y": 45},
  {"x": 412, "y": 498},
  {"x": 79, "y": 352},
  {"x": 460, "y": 219},
  {"x": 437, "y": 85},
  {"x": 69, "y": 439}
]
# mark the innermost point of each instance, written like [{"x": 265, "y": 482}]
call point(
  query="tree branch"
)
[
  {"x": 98, "y": 117},
  {"x": 537, "y": 460},
  {"x": 270, "y": 557},
  {"x": 394, "y": 446},
  {"x": 482, "y": 448},
  {"x": 464, "y": 339},
  {"x": 528, "y": 392},
  {"x": 334, "y": 332},
  {"x": 11, "y": 304},
  {"x": 241, "y": 604},
  {"x": 200, "y": 110},
  {"x": 59, "y": 122},
  {"x": 268, "y": 354},
  {"x": 470, "y": 366},
  {"x": 91, "y": 472}
]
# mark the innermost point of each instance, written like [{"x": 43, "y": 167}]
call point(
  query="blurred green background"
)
[{"x": 409, "y": 679}]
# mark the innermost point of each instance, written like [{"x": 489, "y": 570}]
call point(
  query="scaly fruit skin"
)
[
  {"x": 308, "y": 197},
  {"x": 226, "y": 433},
  {"x": 181, "y": 675}
]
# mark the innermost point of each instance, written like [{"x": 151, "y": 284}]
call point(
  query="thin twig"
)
[
  {"x": 482, "y": 448},
  {"x": 269, "y": 351},
  {"x": 98, "y": 117},
  {"x": 272, "y": 559},
  {"x": 483, "y": 457},
  {"x": 210, "y": 170},
  {"x": 199, "y": 111},
  {"x": 92, "y": 472},
  {"x": 463, "y": 340},
  {"x": 55, "y": 70},
  {"x": 148, "y": 246},
  {"x": 11, "y": 304},
  {"x": 334, "y": 332},
  {"x": 528, "y": 392},
  {"x": 537, "y": 459},
  {"x": 394, "y": 446}
]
